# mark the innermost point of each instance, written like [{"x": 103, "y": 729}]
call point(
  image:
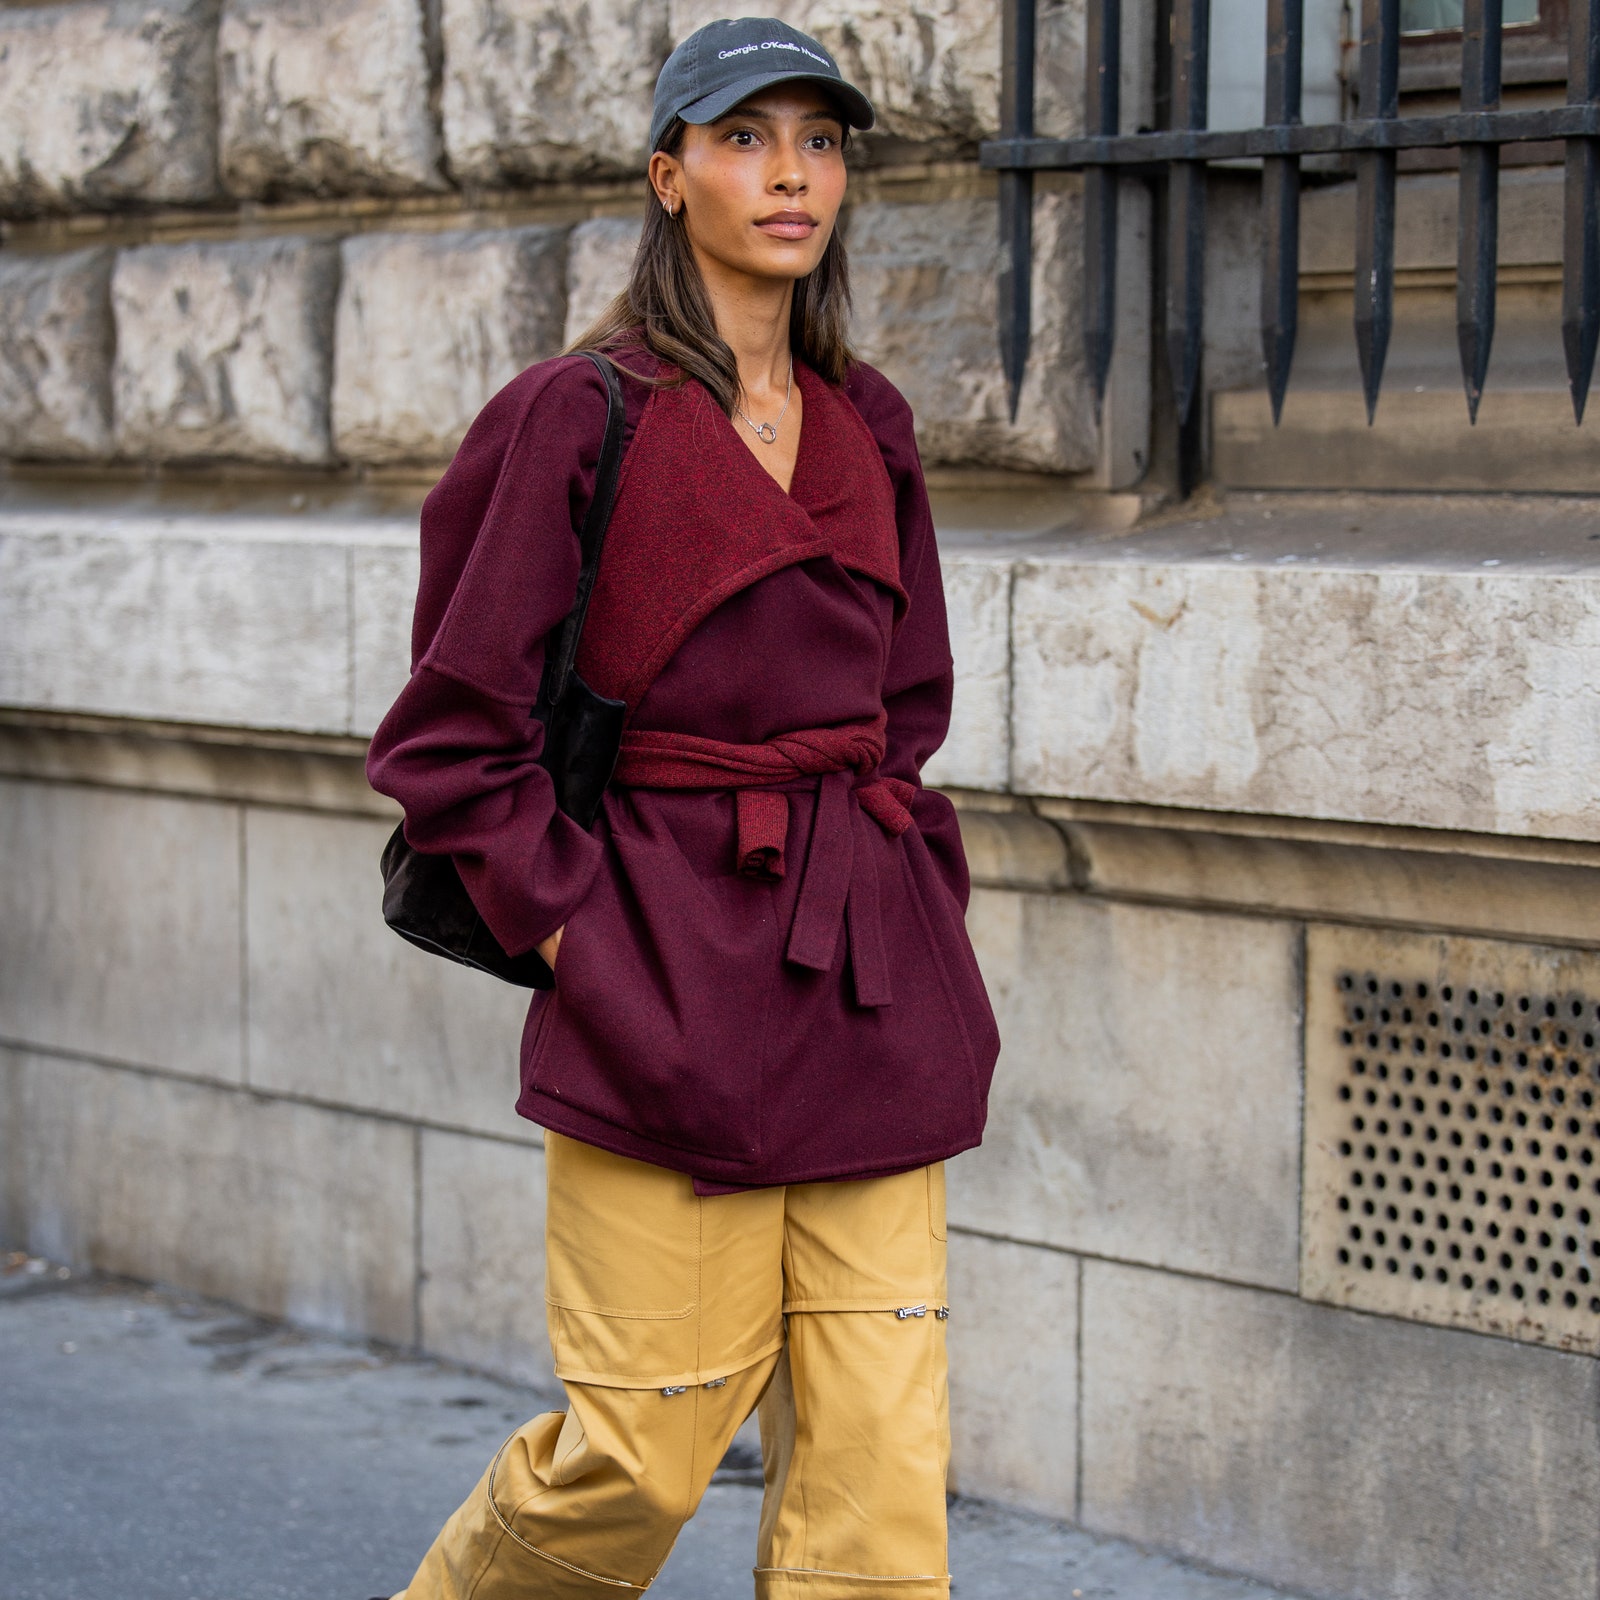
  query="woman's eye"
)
[
  {"x": 821, "y": 141},
  {"x": 744, "y": 137}
]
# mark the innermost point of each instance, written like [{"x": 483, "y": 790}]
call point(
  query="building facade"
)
[{"x": 1277, "y": 747}]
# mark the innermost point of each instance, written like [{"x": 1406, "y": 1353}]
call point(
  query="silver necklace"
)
[{"x": 767, "y": 432}]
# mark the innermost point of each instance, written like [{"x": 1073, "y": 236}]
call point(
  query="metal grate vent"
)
[{"x": 1453, "y": 1133}]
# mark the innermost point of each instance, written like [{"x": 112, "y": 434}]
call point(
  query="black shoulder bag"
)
[{"x": 424, "y": 899}]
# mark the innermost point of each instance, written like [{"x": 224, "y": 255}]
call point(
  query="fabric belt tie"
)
[{"x": 838, "y": 883}]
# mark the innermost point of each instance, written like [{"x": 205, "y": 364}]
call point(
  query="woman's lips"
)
[{"x": 788, "y": 225}]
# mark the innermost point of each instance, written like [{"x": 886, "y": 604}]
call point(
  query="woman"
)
[{"x": 767, "y": 1029}]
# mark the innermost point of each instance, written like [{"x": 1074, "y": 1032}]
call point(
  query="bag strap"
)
[{"x": 592, "y": 537}]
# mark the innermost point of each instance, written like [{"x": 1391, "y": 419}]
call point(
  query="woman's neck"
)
[{"x": 752, "y": 315}]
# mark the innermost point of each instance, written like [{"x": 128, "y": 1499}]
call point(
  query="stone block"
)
[
  {"x": 345, "y": 1011},
  {"x": 482, "y": 1297},
  {"x": 105, "y": 103},
  {"x": 923, "y": 276},
  {"x": 383, "y": 586},
  {"x": 931, "y": 67},
  {"x": 225, "y": 620},
  {"x": 1342, "y": 1454},
  {"x": 1147, "y": 1102},
  {"x": 224, "y": 349},
  {"x": 599, "y": 258},
  {"x": 977, "y": 752},
  {"x": 325, "y": 98},
  {"x": 1309, "y": 690},
  {"x": 55, "y": 354},
  {"x": 290, "y": 1210},
  {"x": 430, "y": 325},
  {"x": 1014, "y": 1373},
  {"x": 534, "y": 91},
  {"x": 119, "y": 927}
]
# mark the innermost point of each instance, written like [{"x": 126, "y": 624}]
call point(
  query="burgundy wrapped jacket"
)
[{"x": 765, "y": 975}]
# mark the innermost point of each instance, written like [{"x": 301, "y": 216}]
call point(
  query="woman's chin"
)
[{"x": 779, "y": 260}]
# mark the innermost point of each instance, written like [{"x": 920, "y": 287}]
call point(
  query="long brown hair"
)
[{"x": 666, "y": 306}]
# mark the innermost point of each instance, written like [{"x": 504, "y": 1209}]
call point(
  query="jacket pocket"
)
[{"x": 663, "y": 984}]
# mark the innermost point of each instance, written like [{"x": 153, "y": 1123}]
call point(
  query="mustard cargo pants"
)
[{"x": 672, "y": 1317}]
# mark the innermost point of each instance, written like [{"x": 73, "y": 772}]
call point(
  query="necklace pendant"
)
[{"x": 767, "y": 432}]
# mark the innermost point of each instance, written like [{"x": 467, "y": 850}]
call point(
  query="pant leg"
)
[
  {"x": 665, "y": 1323},
  {"x": 855, "y": 1423},
  {"x": 588, "y": 1502}
]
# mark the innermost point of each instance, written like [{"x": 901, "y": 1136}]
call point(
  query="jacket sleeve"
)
[
  {"x": 459, "y": 748},
  {"x": 920, "y": 678}
]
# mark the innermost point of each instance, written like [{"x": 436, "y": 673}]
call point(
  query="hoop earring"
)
[{"x": 670, "y": 209}]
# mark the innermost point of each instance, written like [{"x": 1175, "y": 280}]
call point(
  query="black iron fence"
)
[{"x": 1181, "y": 151}]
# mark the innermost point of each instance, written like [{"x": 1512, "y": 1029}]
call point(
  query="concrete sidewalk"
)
[{"x": 154, "y": 1446}]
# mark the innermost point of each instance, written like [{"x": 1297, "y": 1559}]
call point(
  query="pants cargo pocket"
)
[
  {"x": 648, "y": 1285},
  {"x": 622, "y": 1269},
  {"x": 624, "y": 1349}
]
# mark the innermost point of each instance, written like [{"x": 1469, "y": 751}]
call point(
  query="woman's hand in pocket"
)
[{"x": 548, "y": 947}]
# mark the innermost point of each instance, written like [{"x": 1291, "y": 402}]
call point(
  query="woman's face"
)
[{"x": 760, "y": 188}]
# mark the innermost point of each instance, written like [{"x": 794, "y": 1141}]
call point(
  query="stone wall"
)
[
  {"x": 385, "y": 121},
  {"x": 260, "y": 265},
  {"x": 1137, "y": 1343}
]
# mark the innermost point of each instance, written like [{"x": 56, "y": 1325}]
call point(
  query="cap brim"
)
[{"x": 857, "y": 108}]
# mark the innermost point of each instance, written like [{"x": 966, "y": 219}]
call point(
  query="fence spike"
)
[
  {"x": 1280, "y": 273},
  {"x": 1102, "y": 108},
  {"x": 1186, "y": 238},
  {"x": 1478, "y": 225},
  {"x": 1374, "y": 313},
  {"x": 1280, "y": 201},
  {"x": 1016, "y": 197},
  {"x": 1100, "y": 276},
  {"x": 1016, "y": 275},
  {"x": 1580, "y": 263},
  {"x": 1477, "y": 252},
  {"x": 1375, "y": 172},
  {"x": 1580, "y": 276},
  {"x": 1186, "y": 205}
]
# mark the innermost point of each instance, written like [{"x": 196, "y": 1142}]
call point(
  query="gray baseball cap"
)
[{"x": 723, "y": 63}]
